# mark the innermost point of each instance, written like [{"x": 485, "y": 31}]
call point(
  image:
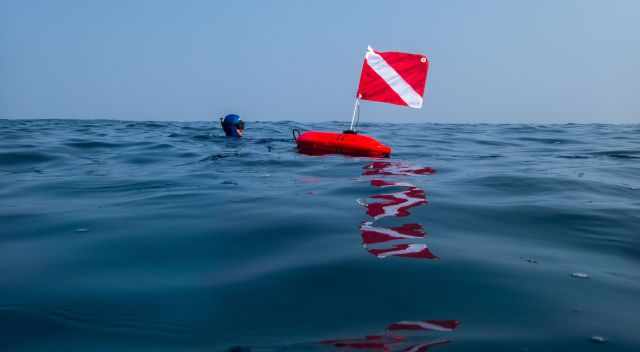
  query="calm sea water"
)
[{"x": 148, "y": 236}]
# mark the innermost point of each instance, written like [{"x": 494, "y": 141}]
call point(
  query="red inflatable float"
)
[{"x": 318, "y": 143}]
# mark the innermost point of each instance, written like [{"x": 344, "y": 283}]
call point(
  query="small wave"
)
[
  {"x": 160, "y": 146},
  {"x": 145, "y": 125},
  {"x": 272, "y": 140},
  {"x": 517, "y": 184},
  {"x": 190, "y": 128},
  {"x": 98, "y": 320},
  {"x": 12, "y": 136},
  {"x": 141, "y": 160},
  {"x": 92, "y": 145},
  {"x": 203, "y": 137},
  {"x": 187, "y": 155},
  {"x": 576, "y": 156},
  {"x": 120, "y": 186},
  {"x": 619, "y": 154},
  {"x": 25, "y": 158},
  {"x": 218, "y": 156},
  {"x": 549, "y": 140},
  {"x": 494, "y": 143}
]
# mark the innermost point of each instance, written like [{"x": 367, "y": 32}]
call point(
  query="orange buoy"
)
[
  {"x": 319, "y": 143},
  {"x": 388, "y": 77}
]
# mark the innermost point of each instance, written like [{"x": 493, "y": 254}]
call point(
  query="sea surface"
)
[{"x": 167, "y": 236}]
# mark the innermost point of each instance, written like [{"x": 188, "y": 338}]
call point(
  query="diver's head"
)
[{"x": 232, "y": 125}]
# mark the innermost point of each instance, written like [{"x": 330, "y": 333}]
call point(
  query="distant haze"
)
[{"x": 492, "y": 61}]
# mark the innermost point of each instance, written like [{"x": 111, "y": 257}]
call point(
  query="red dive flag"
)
[{"x": 393, "y": 77}]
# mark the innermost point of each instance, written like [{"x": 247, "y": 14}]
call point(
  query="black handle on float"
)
[{"x": 293, "y": 132}]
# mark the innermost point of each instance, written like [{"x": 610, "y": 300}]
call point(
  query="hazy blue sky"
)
[{"x": 492, "y": 61}]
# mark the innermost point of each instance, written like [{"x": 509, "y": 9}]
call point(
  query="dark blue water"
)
[{"x": 149, "y": 236}]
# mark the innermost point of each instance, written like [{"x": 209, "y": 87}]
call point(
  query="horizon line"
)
[{"x": 319, "y": 122}]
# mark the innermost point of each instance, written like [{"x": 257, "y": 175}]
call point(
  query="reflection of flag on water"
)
[
  {"x": 392, "y": 342},
  {"x": 388, "y": 168},
  {"x": 423, "y": 347},
  {"x": 372, "y": 234},
  {"x": 430, "y": 325},
  {"x": 414, "y": 250},
  {"x": 396, "y": 204},
  {"x": 385, "y": 184},
  {"x": 369, "y": 342}
]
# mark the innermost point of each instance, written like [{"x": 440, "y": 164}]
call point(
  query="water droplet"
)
[{"x": 598, "y": 339}]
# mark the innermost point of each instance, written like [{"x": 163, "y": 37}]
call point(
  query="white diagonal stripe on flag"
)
[{"x": 393, "y": 79}]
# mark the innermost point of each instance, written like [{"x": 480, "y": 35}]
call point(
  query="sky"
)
[{"x": 491, "y": 61}]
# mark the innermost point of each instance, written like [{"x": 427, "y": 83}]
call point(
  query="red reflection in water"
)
[
  {"x": 384, "y": 184},
  {"x": 380, "y": 342},
  {"x": 394, "y": 168},
  {"x": 390, "y": 342},
  {"x": 413, "y": 250},
  {"x": 429, "y": 325},
  {"x": 372, "y": 234},
  {"x": 396, "y": 204}
]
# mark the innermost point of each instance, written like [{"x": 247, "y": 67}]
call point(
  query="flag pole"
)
[{"x": 356, "y": 105}]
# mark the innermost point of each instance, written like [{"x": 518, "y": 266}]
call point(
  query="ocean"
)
[{"x": 167, "y": 236}]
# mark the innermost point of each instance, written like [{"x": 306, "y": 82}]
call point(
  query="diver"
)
[{"x": 232, "y": 125}]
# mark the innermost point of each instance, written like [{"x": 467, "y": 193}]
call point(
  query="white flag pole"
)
[{"x": 356, "y": 105}]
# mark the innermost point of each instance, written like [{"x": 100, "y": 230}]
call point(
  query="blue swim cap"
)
[{"x": 229, "y": 125}]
